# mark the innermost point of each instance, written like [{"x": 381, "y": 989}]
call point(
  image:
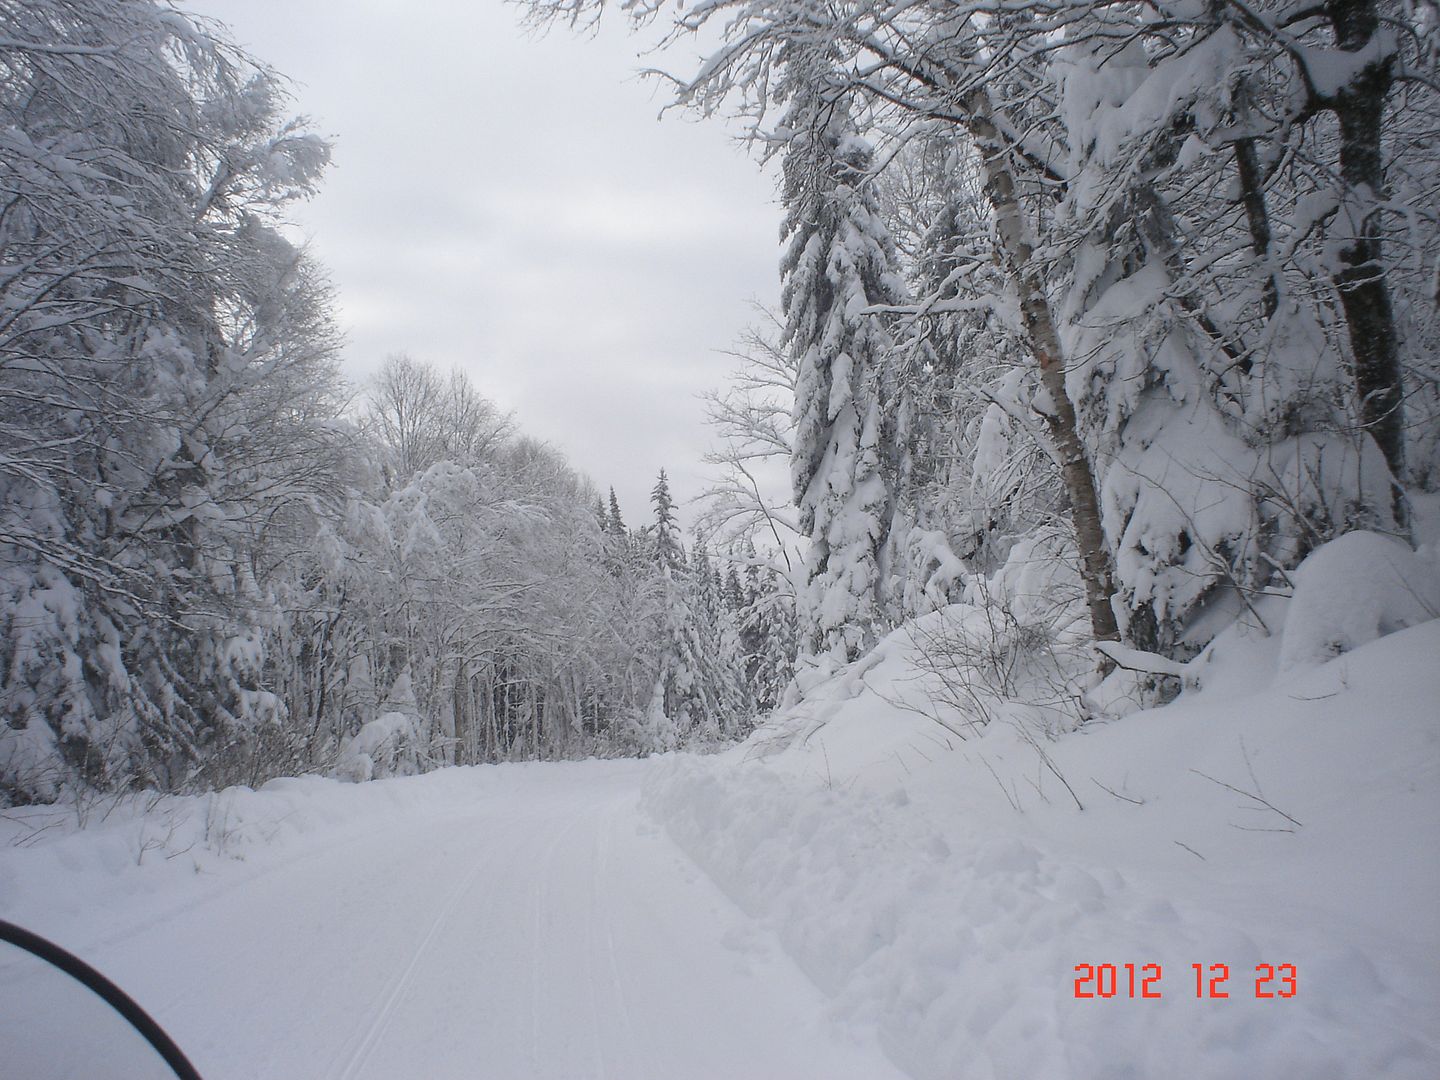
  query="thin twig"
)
[
  {"x": 1248, "y": 795},
  {"x": 1014, "y": 804},
  {"x": 1123, "y": 798}
]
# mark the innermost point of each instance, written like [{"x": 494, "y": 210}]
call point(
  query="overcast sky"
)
[{"x": 511, "y": 204}]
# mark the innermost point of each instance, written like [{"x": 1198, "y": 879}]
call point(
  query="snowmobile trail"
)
[{"x": 545, "y": 931}]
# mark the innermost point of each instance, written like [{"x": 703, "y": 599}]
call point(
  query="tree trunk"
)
[
  {"x": 1257, "y": 213},
  {"x": 458, "y": 695},
  {"x": 1096, "y": 568},
  {"x": 1359, "y": 108}
]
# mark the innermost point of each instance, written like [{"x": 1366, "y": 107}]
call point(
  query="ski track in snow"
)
[{"x": 547, "y": 931}]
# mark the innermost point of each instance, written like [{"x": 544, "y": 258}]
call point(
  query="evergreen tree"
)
[
  {"x": 664, "y": 541},
  {"x": 689, "y": 690},
  {"x": 734, "y": 591},
  {"x": 722, "y": 655},
  {"x": 752, "y": 628},
  {"x": 840, "y": 261},
  {"x": 620, "y": 554},
  {"x": 615, "y": 523},
  {"x": 770, "y": 637}
]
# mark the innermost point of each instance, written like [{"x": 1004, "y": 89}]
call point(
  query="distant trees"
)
[
  {"x": 699, "y": 686},
  {"x": 422, "y": 418},
  {"x": 524, "y": 617},
  {"x": 484, "y": 585}
]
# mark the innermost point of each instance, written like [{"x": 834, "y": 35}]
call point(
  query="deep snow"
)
[{"x": 943, "y": 889}]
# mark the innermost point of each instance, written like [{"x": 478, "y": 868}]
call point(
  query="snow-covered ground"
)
[
  {"x": 873, "y": 883},
  {"x": 944, "y": 889},
  {"x": 500, "y": 922}
]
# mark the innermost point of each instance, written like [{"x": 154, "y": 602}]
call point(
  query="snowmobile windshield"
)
[{"x": 60, "y": 1019}]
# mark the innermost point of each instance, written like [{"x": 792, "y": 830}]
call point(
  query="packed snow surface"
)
[
  {"x": 500, "y": 922},
  {"x": 869, "y": 885}
]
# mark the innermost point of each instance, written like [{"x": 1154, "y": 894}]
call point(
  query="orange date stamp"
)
[{"x": 1213, "y": 981}]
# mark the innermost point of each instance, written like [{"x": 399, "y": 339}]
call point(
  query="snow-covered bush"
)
[
  {"x": 1358, "y": 587},
  {"x": 386, "y": 746},
  {"x": 642, "y": 732},
  {"x": 1018, "y": 636}
]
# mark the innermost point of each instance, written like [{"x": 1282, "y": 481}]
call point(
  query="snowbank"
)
[
  {"x": 941, "y": 878},
  {"x": 945, "y": 888}
]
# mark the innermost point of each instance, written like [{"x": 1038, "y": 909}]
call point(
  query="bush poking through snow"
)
[
  {"x": 1019, "y": 637},
  {"x": 974, "y": 660}
]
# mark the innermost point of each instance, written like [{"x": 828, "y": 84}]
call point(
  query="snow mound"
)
[{"x": 1358, "y": 587}]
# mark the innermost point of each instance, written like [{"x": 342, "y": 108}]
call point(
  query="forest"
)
[{"x": 1138, "y": 302}]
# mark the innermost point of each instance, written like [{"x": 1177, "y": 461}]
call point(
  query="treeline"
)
[
  {"x": 1145, "y": 294},
  {"x": 217, "y": 567},
  {"x": 518, "y": 612}
]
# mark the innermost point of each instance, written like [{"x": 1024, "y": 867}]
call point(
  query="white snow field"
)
[
  {"x": 507, "y": 922},
  {"x": 855, "y": 891}
]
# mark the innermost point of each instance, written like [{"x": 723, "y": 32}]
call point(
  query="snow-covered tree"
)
[
  {"x": 615, "y": 523},
  {"x": 839, "y": 262},
  {"x": 768, "y": 633},
  {"x": 682, "y": 691},
  {"x": 718, "y": 622},
  {"x": 423, "y": 417},
  {"x": 166, "y": 394},
  {"x": 1215, "y": 241}
]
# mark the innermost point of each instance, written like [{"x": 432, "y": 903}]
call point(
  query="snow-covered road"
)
[{"x": 542, "y": 929}]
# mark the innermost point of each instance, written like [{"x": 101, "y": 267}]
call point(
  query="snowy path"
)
[{"x": 545, "y": 931}]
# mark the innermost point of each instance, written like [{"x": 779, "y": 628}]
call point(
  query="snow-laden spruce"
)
[{"x": 840, "y": 261}]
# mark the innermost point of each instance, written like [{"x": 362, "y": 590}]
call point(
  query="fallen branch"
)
[{"x": 1146, "y": 663}]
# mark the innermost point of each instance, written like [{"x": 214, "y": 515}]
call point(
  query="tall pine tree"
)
[{"x": 840, "y": 261}]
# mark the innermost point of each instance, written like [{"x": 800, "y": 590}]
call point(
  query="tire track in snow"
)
[
  {"x": 604, "y": 842},
  {"x": 597, "y": 1046},
  {"x": 409, "y": 956},
  {"x": 379, "y": 1019},
  {"x": 541, "y": 905},
  {"x": 605, "y": 993}
]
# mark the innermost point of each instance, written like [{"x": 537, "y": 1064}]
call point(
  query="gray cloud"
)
[{"x": 510, "y": 204}]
